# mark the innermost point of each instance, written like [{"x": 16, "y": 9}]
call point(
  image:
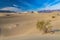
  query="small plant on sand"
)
[
  {"x": 44, "y": 26},
  {"x": 53, "y": 16},
  {"x": 17, "y": 25},
  {"x": 58, "y": 14},
  {"x": 32, "y": 12},
  {"x": 7, "y": 15}
]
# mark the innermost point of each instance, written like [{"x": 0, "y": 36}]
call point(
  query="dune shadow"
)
[
  {"x": 56, "y": 30},
  {"x": 0, "y": 30}
]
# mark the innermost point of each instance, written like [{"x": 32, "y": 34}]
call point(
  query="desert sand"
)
[{"x": 23, "y": 26}]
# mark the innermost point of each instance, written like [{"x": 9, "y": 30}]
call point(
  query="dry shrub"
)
[
  {"x": 53, "y": 16},
  {"x": 44, "y": 26}
]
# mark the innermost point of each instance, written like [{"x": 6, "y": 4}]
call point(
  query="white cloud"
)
[
  {"x": 56, "y": 1},
  {"x": 14, "y": 5},
  {"x": 11, "y": 9},
  {"x": 54, "y": 7}
]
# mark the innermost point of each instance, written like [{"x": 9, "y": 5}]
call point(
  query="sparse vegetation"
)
[
  {"x": 44, "y": 26},
  {"x": 17, "y": 25},
  {"x": 58, "y": 14},
  {"x": 53, "y": 16},
  {"x": 32, "y": 12},
  {"x": 7, "y": 15}
]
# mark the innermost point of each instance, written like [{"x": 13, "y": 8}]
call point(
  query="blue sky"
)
[{"x": 29, "y": 5}]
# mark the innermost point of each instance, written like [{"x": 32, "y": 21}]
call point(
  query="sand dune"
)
[{"x": 25, "y": 24}]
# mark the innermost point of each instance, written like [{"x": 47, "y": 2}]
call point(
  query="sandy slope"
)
[{"x": 25, "y": 24}]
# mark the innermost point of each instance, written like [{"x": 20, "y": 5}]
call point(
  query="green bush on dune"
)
[{"x": 44, "y": 26}]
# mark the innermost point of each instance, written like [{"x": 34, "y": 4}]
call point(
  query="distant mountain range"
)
[
  {"x": 41, "y": 11},
  {"x": 48, "y": 11}
]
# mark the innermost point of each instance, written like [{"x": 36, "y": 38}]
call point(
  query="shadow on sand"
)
[{"x": 56, "y": 30}]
